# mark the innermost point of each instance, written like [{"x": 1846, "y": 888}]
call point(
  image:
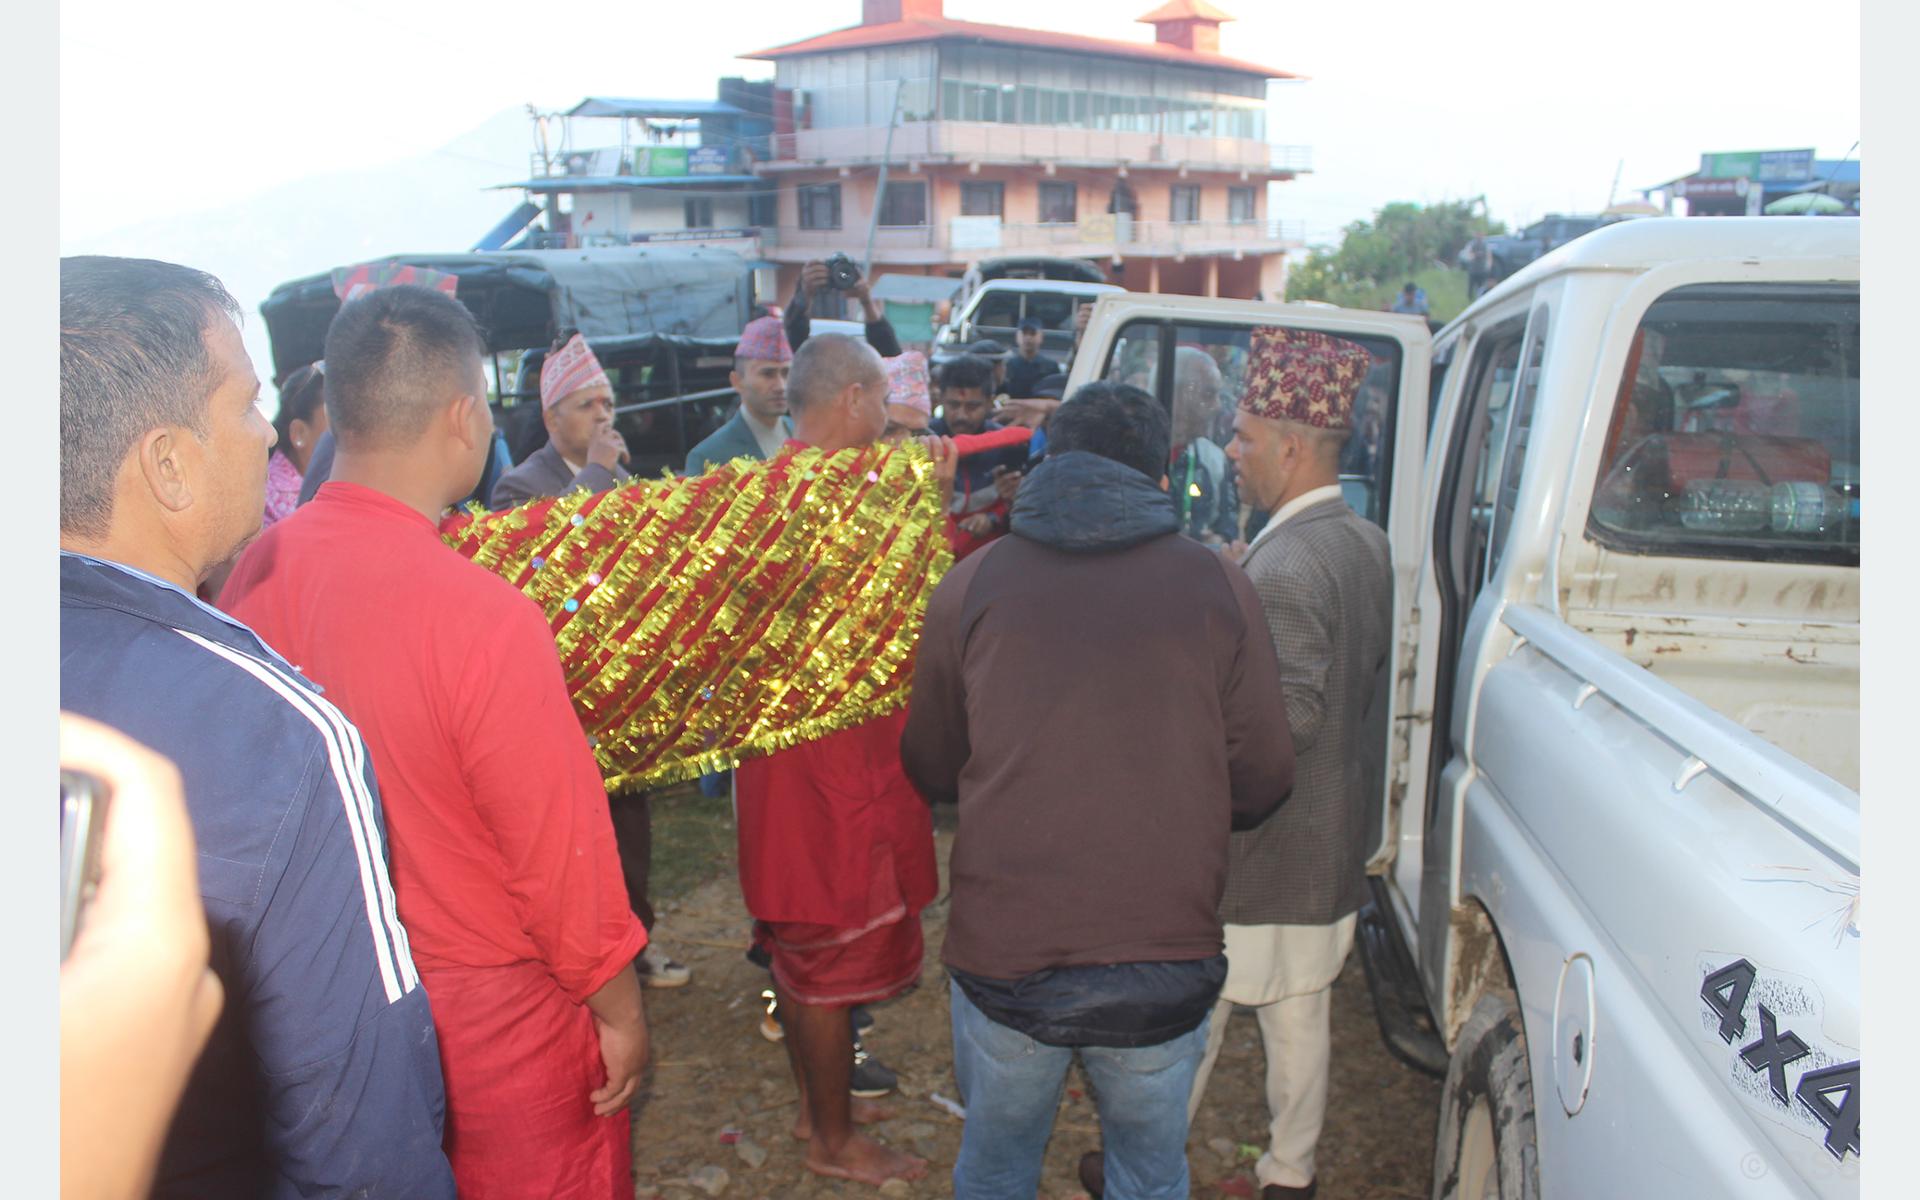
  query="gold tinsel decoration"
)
[{"x": 706, "y": 620}]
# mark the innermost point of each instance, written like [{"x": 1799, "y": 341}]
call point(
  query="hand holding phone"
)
[
  {"x": 137, "y": 1001},
  {"x": 83, "y": 815}
]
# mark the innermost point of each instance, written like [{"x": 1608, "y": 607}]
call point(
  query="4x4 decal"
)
[{"x": 1831, "y": 1093}]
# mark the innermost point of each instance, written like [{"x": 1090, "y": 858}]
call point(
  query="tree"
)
[{"x": 1403, "y": 242}]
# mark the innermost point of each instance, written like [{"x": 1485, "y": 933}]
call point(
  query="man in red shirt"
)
[
  {"x": 836, "y": 846},
  {"x": 503, "y": 857}
]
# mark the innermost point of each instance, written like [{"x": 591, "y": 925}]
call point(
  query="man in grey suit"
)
[
  {"x": 583, "y": 448},
  {"x": 1295, "y": 882},
  {"x": 761, "y": 362}
]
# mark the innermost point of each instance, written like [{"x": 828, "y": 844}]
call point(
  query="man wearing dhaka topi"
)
[
  {"x": 583, "y": 448},
  {"x": 503, "y": 856},
  {"x": 836, "y": 846}
]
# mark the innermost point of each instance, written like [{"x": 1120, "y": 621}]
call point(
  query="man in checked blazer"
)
[{"x": 1325, "y": 581}]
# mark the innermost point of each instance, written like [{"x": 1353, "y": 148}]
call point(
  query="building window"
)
[
  {"x": 1059, "y": 204},
  {"x": 819, "y": 205},
  {"x": 1240, "y": 204},
  {"x": 1186, "y": 203},
  {"x": 983, "y": 199},
  {"x": 700, "y": 213},
  {"x": 904, "y": 204},
  {"x": 763, "y": 209}
]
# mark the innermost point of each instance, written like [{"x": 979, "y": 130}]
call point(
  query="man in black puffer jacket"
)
[{"x": 1101, "y": 698}]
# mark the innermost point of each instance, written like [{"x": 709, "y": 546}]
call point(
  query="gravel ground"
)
[{"x": 714, "y": 1119}]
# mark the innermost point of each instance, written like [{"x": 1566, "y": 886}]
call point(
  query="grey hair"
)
[{"x": 133, "y": 358}]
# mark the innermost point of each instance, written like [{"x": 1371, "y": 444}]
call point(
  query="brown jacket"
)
[
  {"x": 1325, "y": 580},
  {"x": 1100, "y": 696}
]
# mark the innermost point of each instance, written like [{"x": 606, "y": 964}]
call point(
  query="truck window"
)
[
  {"x": 1135, "y": 358},
  {"x": 1463, "y": 531},
  {"x": 1437, "y": 381},
  {"x": 999, "y": 309},
  {"x": 1519, "y": 427},
  {"x": 1736, "y": 427},
  {"x": 1201, "y": 391},
  {"x": 1054, "y": 310}
]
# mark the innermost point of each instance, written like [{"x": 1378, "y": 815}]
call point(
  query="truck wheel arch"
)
[{"x": 1479, "y": 965}]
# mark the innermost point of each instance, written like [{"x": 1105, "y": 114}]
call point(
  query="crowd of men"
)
[{"x": 430, "y": 926}]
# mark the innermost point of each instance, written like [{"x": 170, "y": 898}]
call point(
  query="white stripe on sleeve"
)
[{"x": 390, "y": 949}]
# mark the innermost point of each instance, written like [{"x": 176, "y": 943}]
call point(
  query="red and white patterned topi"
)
[
  {"x": 764, "y": 339},
  {"x": 571, "y": 368},
  {"x": 1303, "y": 376},
  {"x": 907, "y": 382}
]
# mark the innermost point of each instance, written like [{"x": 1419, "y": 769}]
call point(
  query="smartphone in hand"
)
[{"x": 83, "y": 817}]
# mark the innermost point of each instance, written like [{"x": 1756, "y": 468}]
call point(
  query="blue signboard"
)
[{"x": 707, "y": 160}]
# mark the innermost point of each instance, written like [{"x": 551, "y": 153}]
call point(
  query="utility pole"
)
[
  {"x": 880, "y": 189},
  {"x": 1615, "y": 189}
]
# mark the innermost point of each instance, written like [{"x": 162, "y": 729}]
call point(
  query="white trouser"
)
[{"x": 1285, "y": 973}]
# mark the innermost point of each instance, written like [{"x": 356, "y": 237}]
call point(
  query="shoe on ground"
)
[
  {"x": 1278, "y": 1191},
  {"x": 871, "y": 1077},
  {"x": 1093, "y": 1173},
  {"x": 772, "y": 1028},
  {"x": 659, "y": 971}
]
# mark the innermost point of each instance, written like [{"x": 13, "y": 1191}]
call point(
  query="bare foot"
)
[
  {"x": 864, "y": 1160},
  {"x": 865, "y": 1112}
]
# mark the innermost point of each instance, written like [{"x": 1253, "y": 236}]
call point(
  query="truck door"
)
[{"x": 1191, "y": 353}]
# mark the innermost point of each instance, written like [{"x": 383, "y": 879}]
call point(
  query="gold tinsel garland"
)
[{"x": 707, "y": 620}]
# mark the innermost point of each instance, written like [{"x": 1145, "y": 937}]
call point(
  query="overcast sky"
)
[{"x": 1534, "y": 104}]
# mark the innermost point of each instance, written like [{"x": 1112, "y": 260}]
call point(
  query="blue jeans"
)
[{"x": 1011, "y": 1087}]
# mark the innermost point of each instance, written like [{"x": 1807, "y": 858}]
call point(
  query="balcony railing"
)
[
  {"x": 973, "y": 237},
  {"x": 641, "y": 160},
  {"x": 981, "y": 141}
]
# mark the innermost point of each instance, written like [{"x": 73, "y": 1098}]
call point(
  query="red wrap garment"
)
[
  {"x": 503, "y": 857},
  {"x": 834, "y": 837}
]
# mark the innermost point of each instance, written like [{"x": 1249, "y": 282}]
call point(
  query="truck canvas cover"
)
[{"x": 523, "y": 298}]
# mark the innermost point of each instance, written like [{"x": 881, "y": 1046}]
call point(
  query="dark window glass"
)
[
  {"x": 763, "y": 209},
  {"x": 700, "y": 214},
  {"x": 904, "y": 204},
  {"x": 998, "y": 310},
  {"x": 1059, "y": 204},
  {"x": 982, "y": 199},
  {"x": 819, "y": 205},
  {"x": 1186, "y": 203},
  {"x": 1209, "y": 365},
  {"x": 1736, "y": 428}
]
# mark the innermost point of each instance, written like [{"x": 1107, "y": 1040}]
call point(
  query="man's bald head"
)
[
  {"x": 1196, "y": 393},
  {"x": 829, "y": 363},
  {"x": 837, "y": 392}
]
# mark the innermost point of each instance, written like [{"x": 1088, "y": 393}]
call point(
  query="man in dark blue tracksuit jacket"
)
[{"x": 322, "y": 1077}]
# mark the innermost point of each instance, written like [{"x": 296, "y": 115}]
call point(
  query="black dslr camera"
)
[{"x": 842, "y": 273}]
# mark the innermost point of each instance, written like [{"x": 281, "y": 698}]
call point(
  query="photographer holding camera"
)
[{"x": 838, "y": 274}]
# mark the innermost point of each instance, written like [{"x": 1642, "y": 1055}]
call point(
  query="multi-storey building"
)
[
  {"x": 1152, "y": 159},
  {"x": 654, "y": 170}
]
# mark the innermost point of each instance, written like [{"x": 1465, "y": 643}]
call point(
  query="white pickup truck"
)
[{"x": 1616, "y": 766}]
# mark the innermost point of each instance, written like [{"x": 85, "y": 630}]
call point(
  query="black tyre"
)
[{"x": 1485, "y": 1149}]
